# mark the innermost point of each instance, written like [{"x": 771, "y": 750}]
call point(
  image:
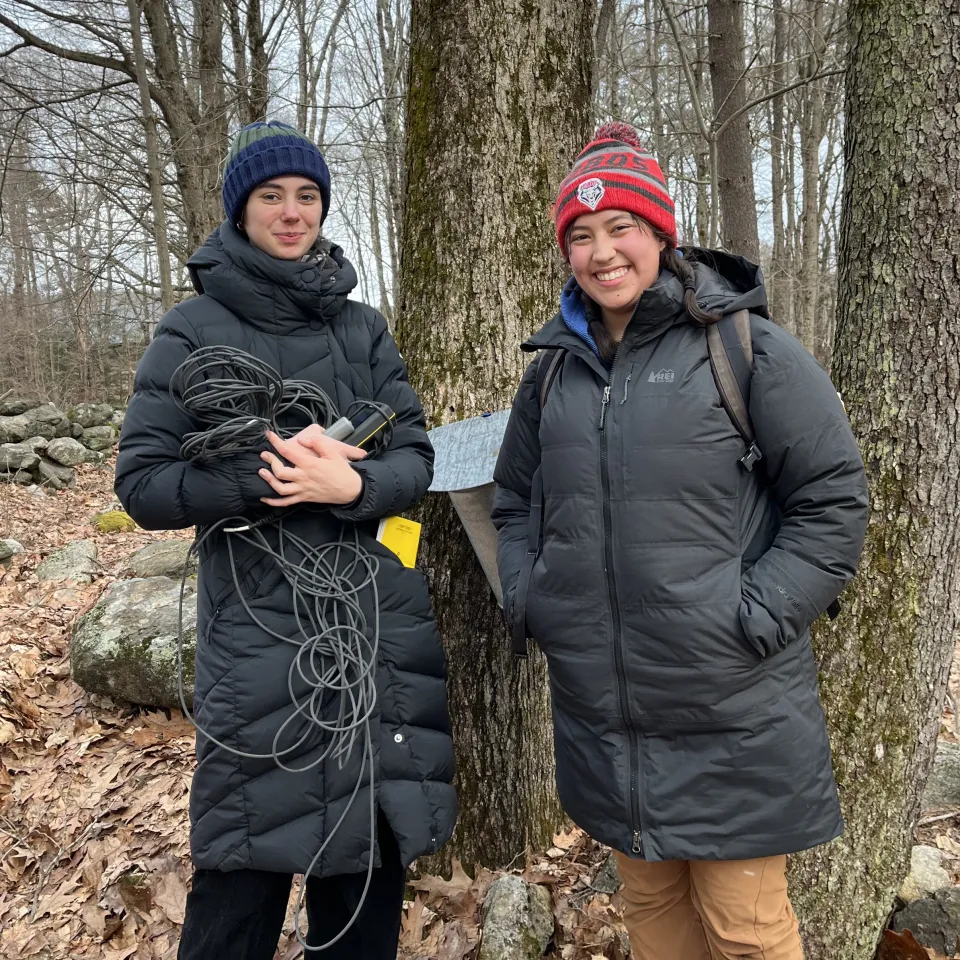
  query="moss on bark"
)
[{"x": 884, "y": 663}]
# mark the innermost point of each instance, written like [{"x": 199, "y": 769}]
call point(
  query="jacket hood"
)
[
  {"x": 726, "y": 283},
  {"x": 269, "y": 293}
]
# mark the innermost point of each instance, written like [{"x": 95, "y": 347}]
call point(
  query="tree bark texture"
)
[
  {"x": 778, "y": 282},
  {"x": 196, "y": 119},
  {"x": 154, "y": 162},
  {"x": 498, "y": 107},
  {"x": 811, "y": 135},
  {"x": 884, "y": 663},
  {"x": 738, "y": 202}
]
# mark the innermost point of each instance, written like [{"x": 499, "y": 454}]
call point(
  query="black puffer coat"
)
[
  {"x": 250, "y": 813},
  {"x": 675, "y": 590}
]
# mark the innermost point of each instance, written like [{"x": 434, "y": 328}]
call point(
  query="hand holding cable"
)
[{"x": 317, "y": 469}]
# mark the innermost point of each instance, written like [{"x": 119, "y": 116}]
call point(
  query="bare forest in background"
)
[{"x": 115, "y": 116}]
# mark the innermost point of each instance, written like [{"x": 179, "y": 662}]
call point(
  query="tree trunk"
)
[
  {"x": 604, "y": 49},
  {"x": 652, "y": 31},
  {"x": 738, "y": 204},
  {"x": 198, "y": 126},
  {"x": 154, "y": 164},
  {"x": 498, "y": 106},
  {"x": 778, "y": 285},
  {"x": 811, "y": 134},
  {"x": 884, "y": 663},
  {"x": 707, "y": 188},
  {"x": 258, "y": 98}
]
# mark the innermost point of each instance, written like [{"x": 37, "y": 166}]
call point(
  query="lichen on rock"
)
[{"x": 126, "y": 646}]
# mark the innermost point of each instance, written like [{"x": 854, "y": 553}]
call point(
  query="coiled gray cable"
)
[{"x": 235, "y": 396}]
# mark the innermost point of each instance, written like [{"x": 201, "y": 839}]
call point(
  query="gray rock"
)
[
  {"x": 67, "y": 451},
  {"x": 48, "y": 421},
  {"x": 117, "y": 419},
  {"x": 9, "y": 548},
  {"x": 76, "y": 431},
  {"x": 162, "y": 559},
  {"x": 126, "y": 646},
  {"x": 13, "y": 406},
  {"x": 943, "y": 786},
  {"x": 17, "y": 456},
  {"x": 15, "y": 429},
  {"x": 55, "y": 476},
  {"x": 99, "y": 438},
  {"x": 607, "y": 879},
  {"x": 935, "y": 921},
  {"x": 46, "y": 413},
  {"x": 44, "y": 421},
  {"x": 46, "y": 430},
  {"x": 76, "y": 561},
  {"x": 24, "y": 477},
  {"x": 37, "y": 444},
  {"x": 93, "y": 414},
  {"x": 517, "y": 920},
  {"x": 926, "y": 876}
]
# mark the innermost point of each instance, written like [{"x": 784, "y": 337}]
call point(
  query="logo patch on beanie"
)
[{"x": 591, "y": 192}]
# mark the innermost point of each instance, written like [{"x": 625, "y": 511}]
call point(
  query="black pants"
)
[{"x": 238, "y": 915}]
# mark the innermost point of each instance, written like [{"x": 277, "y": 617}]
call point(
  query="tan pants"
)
[{"x": 709, "y": 910}]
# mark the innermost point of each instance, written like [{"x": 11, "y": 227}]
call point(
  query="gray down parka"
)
[
  {"x": 250, "y": 813},
  {"x": 675, "y": 590}
]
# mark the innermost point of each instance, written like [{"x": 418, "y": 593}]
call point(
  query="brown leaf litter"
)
[{"x": 94, "y": 857}]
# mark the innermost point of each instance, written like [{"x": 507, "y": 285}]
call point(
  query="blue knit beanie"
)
[{"x": 268, "y": 149}]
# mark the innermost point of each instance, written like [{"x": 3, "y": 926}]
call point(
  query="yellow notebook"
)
[{"x": 402, "y": 536}]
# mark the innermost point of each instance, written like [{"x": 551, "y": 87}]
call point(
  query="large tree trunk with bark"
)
[
  {"x": 811, "y": 134},
  {"x": 779, "y": 281},
  {"x": 154, "y": 161},
  {"x": 884, "y": 663},
  {"x": 738, "y": 203},
  {"x": 498, "y": 106}
]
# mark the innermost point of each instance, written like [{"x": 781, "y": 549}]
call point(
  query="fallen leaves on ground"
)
[
  {"x": 94, "y": 856},
  {"x": 904, "y": 946}
]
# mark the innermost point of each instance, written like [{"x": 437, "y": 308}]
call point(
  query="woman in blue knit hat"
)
[{"x": 323, "y": 740}]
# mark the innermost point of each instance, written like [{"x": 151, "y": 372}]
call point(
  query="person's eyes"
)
[
  {"x": 270, "y": 197},
  {"x": 308, "y": 198},
  {"x": 577, "y": 237},
  {"x": 620, "y": 227}
]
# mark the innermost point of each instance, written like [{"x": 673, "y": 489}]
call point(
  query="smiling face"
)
[
  {"x": 614, "y": 256},
  {"x": 282, "y": 216}
]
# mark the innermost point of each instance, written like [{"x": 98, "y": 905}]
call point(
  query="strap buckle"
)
[{"x": 752, "y": 457}]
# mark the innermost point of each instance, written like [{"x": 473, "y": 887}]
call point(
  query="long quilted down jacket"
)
[
  {"x": 250, "y": 813},
  {"x": 675, "y": 590}
]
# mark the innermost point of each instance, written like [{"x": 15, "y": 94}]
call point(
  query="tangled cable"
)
[{"x": 236, "y": 397}]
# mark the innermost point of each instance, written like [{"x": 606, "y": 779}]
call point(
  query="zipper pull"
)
[
  {"x": 603, "y": 404},
  {"x": 637, "y": 842},
  {"x": 626, "y": 383}
]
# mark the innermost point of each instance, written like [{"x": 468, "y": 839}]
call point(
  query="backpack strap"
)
[
  {"x": 731, "y": 359},
  {"x": 548, "y": 363}
]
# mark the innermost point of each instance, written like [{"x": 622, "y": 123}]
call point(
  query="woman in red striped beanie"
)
[
  {"x": 614, "y": 175},
  {"x": 698, "y": 500}
]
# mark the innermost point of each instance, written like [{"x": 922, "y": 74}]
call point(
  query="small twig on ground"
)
[
  {"x": 91, "y": 830},
  {"x": 926, "y": 821}
]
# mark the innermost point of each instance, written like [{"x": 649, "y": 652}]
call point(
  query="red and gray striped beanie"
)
[{"x": 615, "y": 172}]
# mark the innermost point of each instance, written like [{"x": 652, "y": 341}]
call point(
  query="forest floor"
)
[{"x": 94, "y": 857}]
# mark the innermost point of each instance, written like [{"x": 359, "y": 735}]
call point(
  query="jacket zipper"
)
[{"x": 637, "y": 847}]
